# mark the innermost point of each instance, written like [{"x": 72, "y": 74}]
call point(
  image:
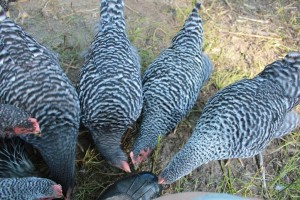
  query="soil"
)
[{"x": 244, "y": 35}]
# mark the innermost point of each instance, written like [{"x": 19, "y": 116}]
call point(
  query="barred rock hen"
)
[
  {"x": 109, "y": 87},
  {"x": 15, "y": 165},
  {"x": 31, "y": 79},
  {"x": 14, "y": 121},
  {"x": 240, "y": 120},
  {"x": 31, "y": 188},
  {"x": 171, "y": 85}
]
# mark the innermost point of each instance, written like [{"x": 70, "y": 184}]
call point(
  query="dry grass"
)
[{"x": 240, "y": 37}]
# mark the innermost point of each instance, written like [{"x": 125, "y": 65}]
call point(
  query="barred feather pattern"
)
[
  {"x": 112, "y": 15},
  {"x": 240, "y": 120},
  {"x": 10, "y": 117},
  {"x": 30, "y": 188},
  {"x": 32, "y": 80},
  {"x": 190, "y": 36},
  {"x": 172, "y": 83},
  {"x": 109, "y": 87}
]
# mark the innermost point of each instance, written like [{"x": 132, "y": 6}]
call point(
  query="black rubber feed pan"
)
[{"x": 141, "y": 186}]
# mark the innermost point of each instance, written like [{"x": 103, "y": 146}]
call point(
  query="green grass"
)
[
  {"x": 94, "y": 175},
  {"x": 290, "y": 168},
  {"x": 155, "y": 154},
  {"x": 224, "y": 77}
]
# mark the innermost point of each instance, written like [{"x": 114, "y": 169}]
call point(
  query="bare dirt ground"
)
[{"x": 241, "y": 37}]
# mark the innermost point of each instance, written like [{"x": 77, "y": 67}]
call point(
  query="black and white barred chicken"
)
[
  {"x": 240, "y": 120},
  {"x": 30, "y": 188},
  {"x": 171, "y": 85},
  {"x": 109, "y": 88},
  {"x": 14, "y": 121},
  {"x": 31, "y": 79},
  {"x": 19, "y": 178}
]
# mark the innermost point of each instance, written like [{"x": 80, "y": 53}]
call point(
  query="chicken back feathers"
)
[
  {"x": 32, "y": 80},
  {"x": 171, "y": 85},
  {"x": 109, "y": 88},
  {"x": 240, "y": 120}
]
